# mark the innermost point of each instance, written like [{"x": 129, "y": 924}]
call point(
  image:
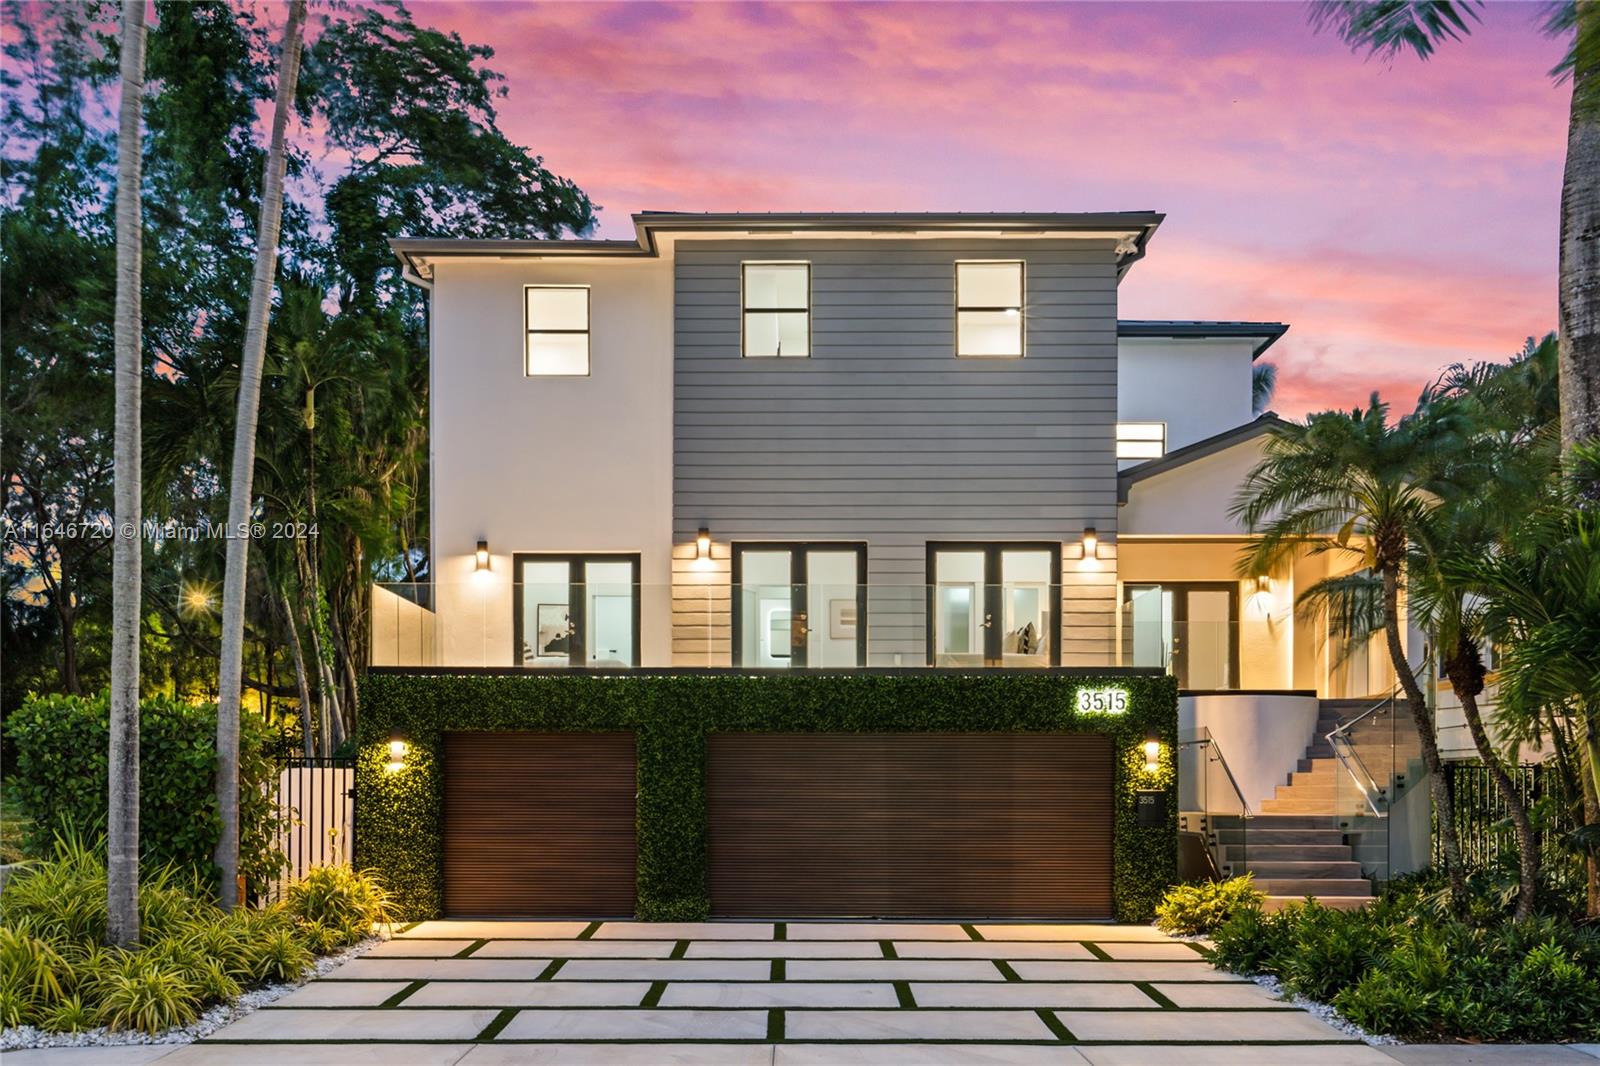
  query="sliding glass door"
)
[
  {"x": 799, "y": 604},
  {"x": 994, "y": 604},
  {"x": 576, "y": 610}
]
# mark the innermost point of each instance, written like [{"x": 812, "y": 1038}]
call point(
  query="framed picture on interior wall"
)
[
  {"x": 551, "y": 629},
  {"x": 842, "y": 619}
]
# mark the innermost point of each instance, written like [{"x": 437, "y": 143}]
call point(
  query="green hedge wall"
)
[
  {"x": 398, "y": 815},
  {"x": 62, "y": 745}
]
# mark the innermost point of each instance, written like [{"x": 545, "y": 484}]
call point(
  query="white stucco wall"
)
[
  {"x": 547, "y": 464},
  {"x": 1198, "y": 386},
  {"x": 1192, "y": 499},
  {"x": 1262, "y": 736}
]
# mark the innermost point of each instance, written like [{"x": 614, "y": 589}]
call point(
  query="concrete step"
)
[
  {"x": 1307, "y": 807},
  {"x": 1262, "y": 823},
  {"x": 1346, "y": 869},
  {"x": 1255, "y": 849},
  {"x": 1314, "y": 886},
  {"x": 1255, "y": 838},
  {"x": 1274, "y": 904}
]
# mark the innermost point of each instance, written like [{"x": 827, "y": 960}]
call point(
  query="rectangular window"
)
[
  {"x": 557, "y": 323},
  {"x": 989, "y": 309},
  {"x": 799, "y": 604},
  {"x": 994, "y": 604},
  {"x": 575, "y": 610},
  {"x": 777, "y": 309},
  {"x": 1141, "y": 440}
]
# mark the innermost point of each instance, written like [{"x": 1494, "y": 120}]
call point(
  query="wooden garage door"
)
[
  {"x": 539, "y": 824},
  {"x": 929, "y": 824}
]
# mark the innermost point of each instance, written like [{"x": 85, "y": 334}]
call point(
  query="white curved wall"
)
[{"x": 1262, "y": 736}]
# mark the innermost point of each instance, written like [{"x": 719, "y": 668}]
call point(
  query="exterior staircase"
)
[{"x": 1298, "y": 845}]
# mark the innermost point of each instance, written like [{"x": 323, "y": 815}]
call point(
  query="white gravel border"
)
[
  {"x": 27, "y": 1037},
  {"x": 1326, "y": 1013}
]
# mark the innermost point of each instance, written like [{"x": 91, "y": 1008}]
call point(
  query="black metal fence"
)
[
  {"x": 1485, "y": 826},
  {"x": 316, "y": 801}
]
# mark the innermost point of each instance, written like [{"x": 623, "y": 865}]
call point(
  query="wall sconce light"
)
[
  {"x": 1091, "y": 543},
  {"x": 397, "y": 752},
  {"x": 702, "y": 543},
  {"x": 482, "y": 556},
  {"x": 1152, "y": 752},
  {"x": 1263, "y": 583}
]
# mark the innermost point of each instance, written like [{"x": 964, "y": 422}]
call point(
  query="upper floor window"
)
[
  {"x": 557, "y": 324},
  {"x": 989, "y": 309},
  {"x": 1141, "y": 440},
  {"x": 777, "y": 309}
]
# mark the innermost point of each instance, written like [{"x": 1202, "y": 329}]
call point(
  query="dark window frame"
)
[
  {"x": 993, "y": 656},
  {"x": 577, "y": 602},
  {"x": 1021, "y": 308},
  {"x": 1180, "y": 615},
  {"x": 799, "y": 590},
  {"x": 529, "y": 331},
  {"x": 745, "y": 310}
]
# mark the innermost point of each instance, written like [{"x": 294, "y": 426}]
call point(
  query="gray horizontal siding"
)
[{"x": 883, "y": 434}]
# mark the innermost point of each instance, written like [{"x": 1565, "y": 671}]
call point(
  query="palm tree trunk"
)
[
  {"x": 1527, "y": 841},
  {"x": 122, "y": 800},
  {"x": 307, "y": 735},
  {"x": 231, "y": 669},
  {"x": 1580, "y": 242},
  {"x": 1422, "y": 715}
]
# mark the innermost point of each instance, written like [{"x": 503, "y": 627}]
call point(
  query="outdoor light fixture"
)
[
  {"x": 702, "y": 543},
  {"x": 1091, "y": 543},
  {"x": 1152, "y": 752},
  {"x": 397, "y": 751},
  {"x": 483, "y": 555},
  {"x": 1263, "y": 583}
]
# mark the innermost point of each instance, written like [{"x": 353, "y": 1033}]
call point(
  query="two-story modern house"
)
[{"x": 784, "y": 441}]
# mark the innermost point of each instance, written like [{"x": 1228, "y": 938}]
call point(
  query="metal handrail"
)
[
  {"x": 1233, "y": 782},
  {"x": 1344, "y": 750}
]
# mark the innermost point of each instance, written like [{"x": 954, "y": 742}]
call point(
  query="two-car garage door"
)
[{"x": 828, "y": 824}]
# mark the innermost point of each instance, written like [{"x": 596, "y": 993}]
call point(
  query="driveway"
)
[{"x": 765, "y": 994}]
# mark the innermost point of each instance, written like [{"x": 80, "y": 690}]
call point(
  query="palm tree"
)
[
  {"x": 240, "y": 500},
  {"x": 1388, "y": 27},
  {"x": 122, "y": 800},
  {"x": 1263, "y": 383},
  {"x": 1352, "y": 484}
]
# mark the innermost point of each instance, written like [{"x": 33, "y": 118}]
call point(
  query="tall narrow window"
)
[
  {"x": 777, "y": 309},
  {"x": 989, "y": 309},
  {"x": 1141, "y": 440},
  {"x": 557, "y": 321}
]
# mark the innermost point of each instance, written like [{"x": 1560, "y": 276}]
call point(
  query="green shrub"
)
[
  {"x": 1253, "y": 942},
  {"x": 60, "y": 780},
  {"x": 148, "y": 995},
  {"x": 1330, "y": 950},
  {"x": 341, "y": 904},
  {"x": 1193, "y": 909}
]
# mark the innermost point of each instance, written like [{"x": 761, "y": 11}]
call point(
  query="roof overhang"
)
[
  {"x": 1265, "y": 334},
  {"x": 1130, "y": 229},
  {"x": 1200, "y": 449}
]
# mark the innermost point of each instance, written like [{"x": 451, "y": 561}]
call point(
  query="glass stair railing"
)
[{"x": 1212, "y": 812}]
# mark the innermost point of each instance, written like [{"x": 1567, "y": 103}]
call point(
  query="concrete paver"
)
[
  {"x": 132, "y": 1055},
  {"x": 1244, "y": 994},
  {"x": 619, "y": 1055},
  {"x": 1476, "y": 1054},
  {"x": 1036, "y": 994},
  {"x": 420, "y": 1024},
  {"x": 416, "y": 948},
  {"x": 892, "y": 970},
  {"x": 1118, "y": 971},
  {"x": 576, "y": 949},
  {"x": 991, "y": 949},
  {"x": 875, "y": 931},
  {"x": 1197, "y": 1026},
  {"x": 1235, "y": 1055},
  {"x": 341, "y": 994},
  {"x": 780, "y": 994},
  {"x": 1081, "y": 931},
  {"x": 1151, "y": 952},
  {"x": 915, "y": 1025},
  {"x": 440, "y": 970},
  {"x": 489, "y": 929},
  {"x": 665, "y": 970},
  {"x": 528, "y": 994},
  {"x": 315, "y": 1055},
  {"x": 637, "y": 1025},
  {"x": 785, "y": 949},
  {"x": 926, "y": 1055},
  {"x": 685, "y": 931}
]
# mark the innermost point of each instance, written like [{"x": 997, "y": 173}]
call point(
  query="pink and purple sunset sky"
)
[{"x": 1399, "y": 217}]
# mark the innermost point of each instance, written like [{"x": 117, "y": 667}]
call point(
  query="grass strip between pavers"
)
[
  {"x": 902, "y": 992},
  {"x": 887, "y": 947},
  {"x": 780, "y": 931},
  {"x": 499, "y": 1023},
  {"x": 589, "y": 931},
  {"x": 469, "y": 949},
  {"x": 1005, "y": 970},
  {"x": 972, "y": 931},
  {"x": 679, "y": 950},
  {"x": 551, "y": 970},
  {"x": 1096, "y": 951},
  {"x": 653, "y": 996},
  {"x": 774, "y": 1025},
  {"x": 1150, "y": 990},
  {"x": 396, "y": 999},
  {"x": 778, "y": 969},
  {"x": 1053, "y": 1023}
]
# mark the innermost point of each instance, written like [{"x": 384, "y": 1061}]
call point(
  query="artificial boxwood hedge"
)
[{"x": 399, "y": 818}]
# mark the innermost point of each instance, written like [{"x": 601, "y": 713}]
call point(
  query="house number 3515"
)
[{"x": 1102, "y": 701}]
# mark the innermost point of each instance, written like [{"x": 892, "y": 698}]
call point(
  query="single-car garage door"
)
[
  {"x": 539, "y": 824},
  {"x": 910, "y": 824}
]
